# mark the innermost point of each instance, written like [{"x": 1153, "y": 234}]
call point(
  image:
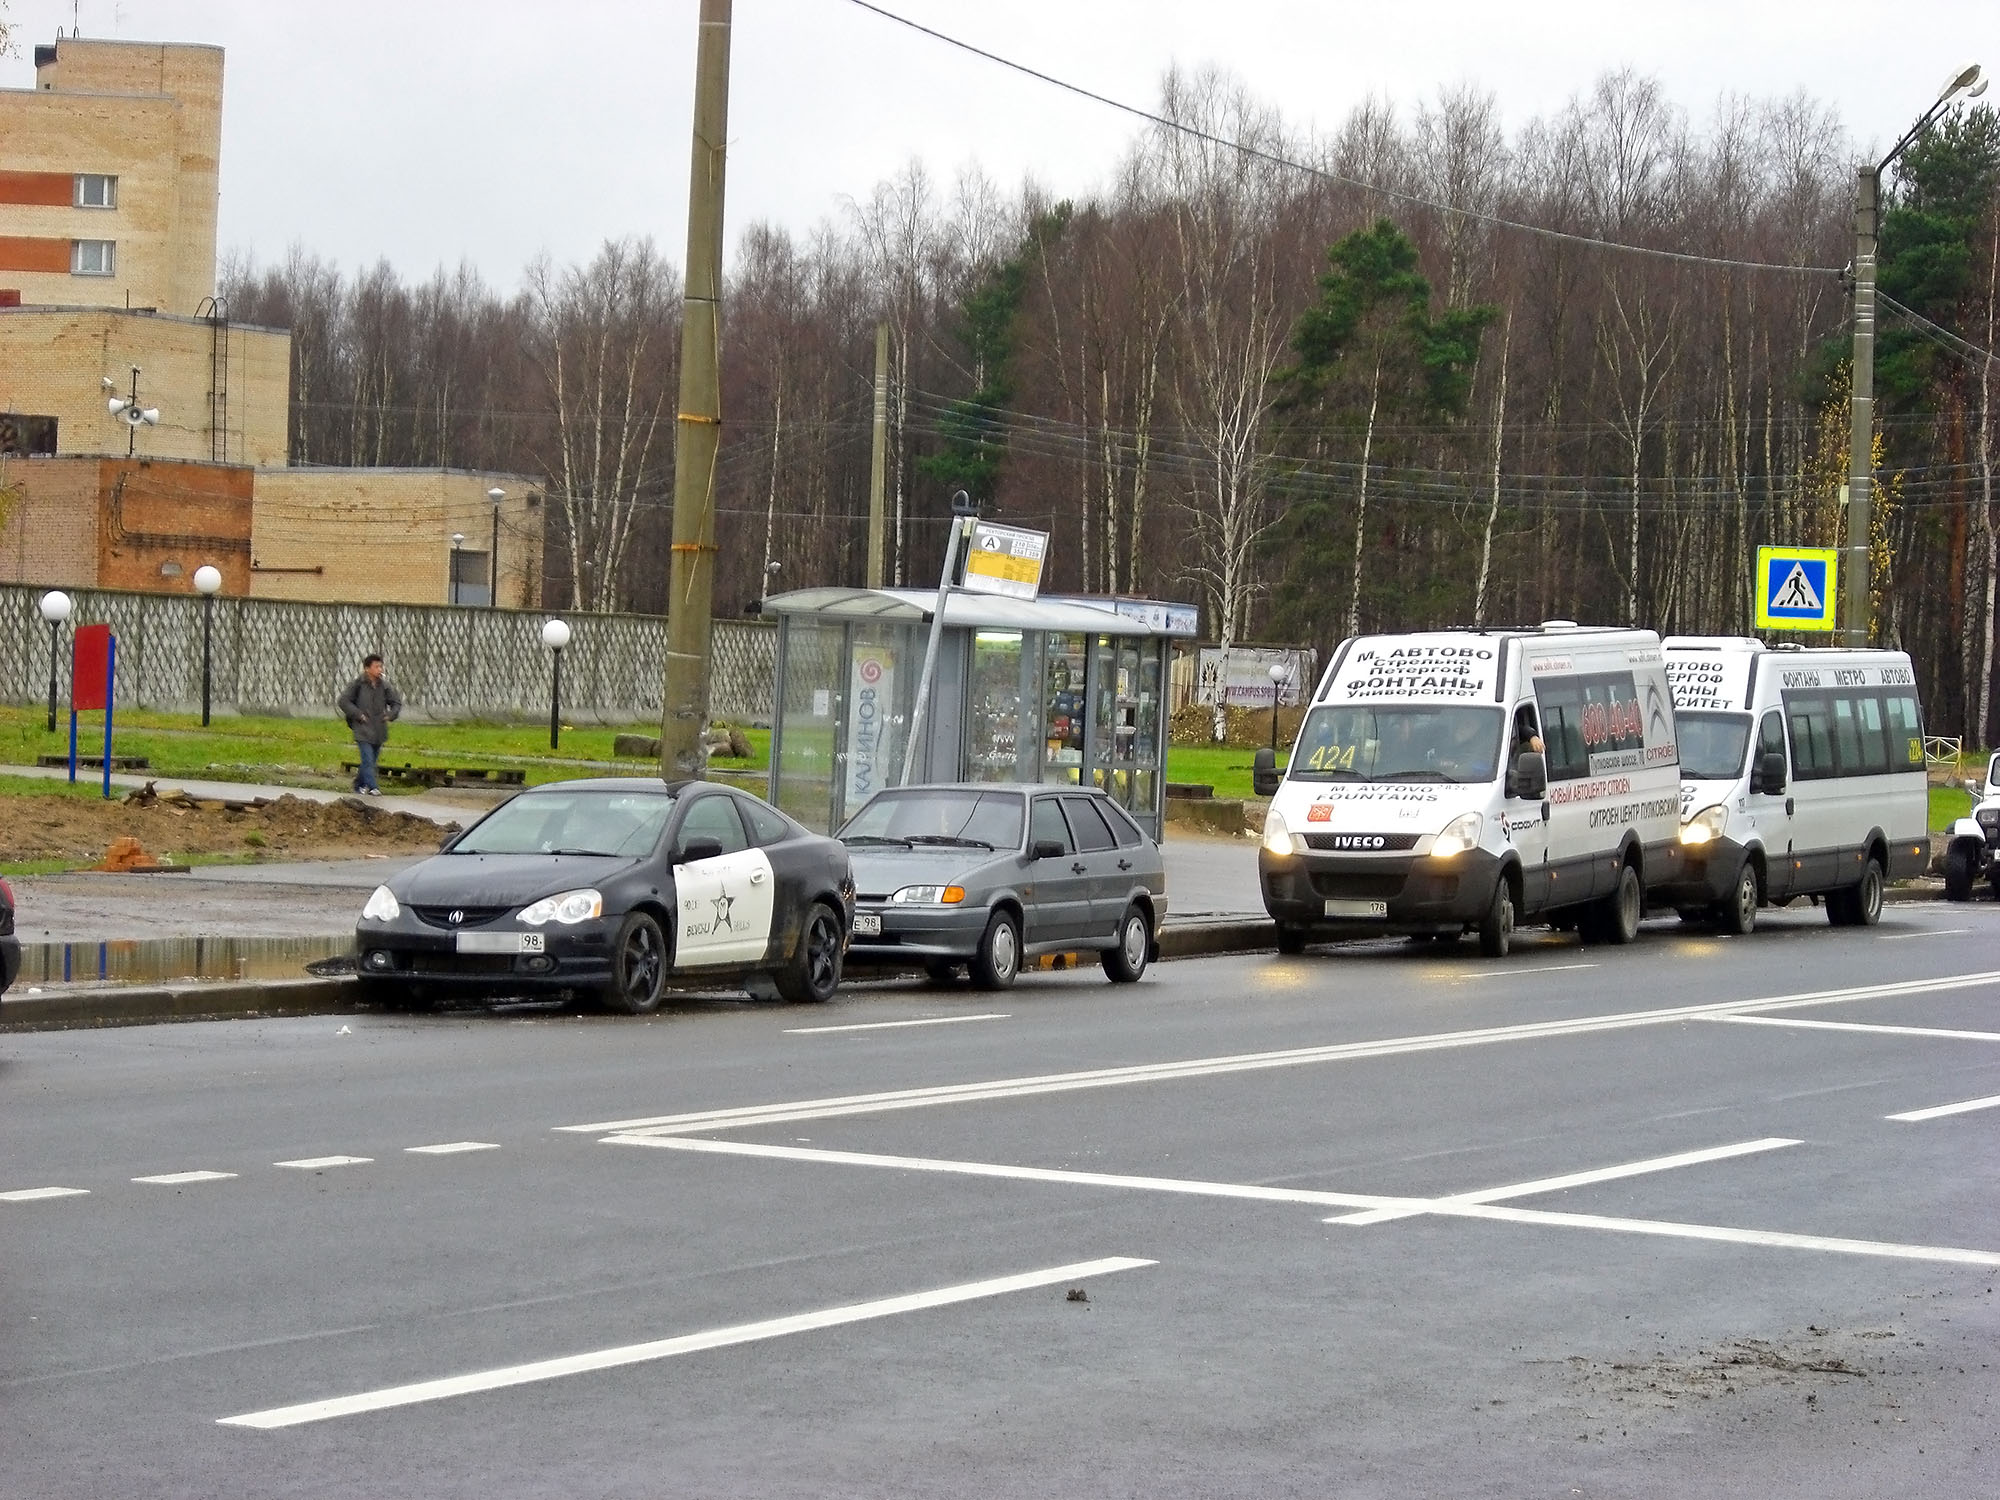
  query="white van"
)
[
  {"x": 1802, "y": 774},
  {"x": 1466, "y": 780}
]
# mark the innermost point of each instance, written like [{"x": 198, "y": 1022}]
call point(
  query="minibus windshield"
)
[
  {"x": 1398, "y": 742},
  {"x": 1712, "y": 745}
]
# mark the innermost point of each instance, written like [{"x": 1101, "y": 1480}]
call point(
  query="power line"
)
[{"x": 1686, "y": 257}]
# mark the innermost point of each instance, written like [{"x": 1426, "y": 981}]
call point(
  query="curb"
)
[{"x": 143, "y": 1005}]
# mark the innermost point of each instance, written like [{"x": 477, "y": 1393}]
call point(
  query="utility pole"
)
[
  {"x": 878, "y": 465},
  {"x": 1861, "y": 410},
  {"x": 699, "y": 428}
]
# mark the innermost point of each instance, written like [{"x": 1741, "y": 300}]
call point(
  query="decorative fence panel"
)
[{"x": 281, "y": 656}]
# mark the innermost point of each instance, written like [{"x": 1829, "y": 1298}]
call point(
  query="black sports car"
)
[
  {"x": 10, "y": 946},
  {"x": 606, "y": 888}
]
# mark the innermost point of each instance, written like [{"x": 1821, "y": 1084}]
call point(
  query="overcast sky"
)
[{"x": 430, "y": 131}]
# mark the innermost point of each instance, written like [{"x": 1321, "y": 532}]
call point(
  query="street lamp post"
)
[
  {"x": 55, "y": 607},
  {"x": 1861, "y": 410},
  {"x": 207, "y": 580},
  {"x": 555, "y": 635},
  {"x": 1277, "y": 672},
  {"x": 457, "y": 541},
  {"x": 496, "y": 495}
]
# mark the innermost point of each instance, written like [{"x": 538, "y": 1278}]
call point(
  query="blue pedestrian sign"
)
[{"x": 1796, "y": 587}]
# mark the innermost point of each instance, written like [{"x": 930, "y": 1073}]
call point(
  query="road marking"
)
[
  {"x": 1722, "y": 1234},
  {"x": 1939, "y": 1111},
  {"x": 452, "y": 1148},
  {"x": 1510, "y": 972},
  {"x": 175, "y": 1179},
  {"x": 746, "y": 1116},
  {"x": 1932, "y": 1031},
  {"x": 30, "y": 1195},
  {"x": 892, "y": 1025},
  {"x": 692, "y": 1343},
  {"x": 1904, "y": 937},
  {"x": 313, "y": 1163},
  {"x": 1576, "y": 1179}
]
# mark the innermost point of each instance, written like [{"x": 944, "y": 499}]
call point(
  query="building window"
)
[
  {"x": 93, "y": 258},
  {"x": 470, "y": 578},
  {"x": 27, "y": 436},
  {"x": 95, "y": 190}
]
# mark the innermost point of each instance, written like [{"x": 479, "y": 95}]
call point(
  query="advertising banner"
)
[
  {"x": 1240, "y": 676},
  {"x": 871, "y": 726}
]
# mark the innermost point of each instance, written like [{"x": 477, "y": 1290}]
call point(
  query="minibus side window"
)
[
  {"x": 1812, "y": 736},
  {"x": 1847, "y": 737},
  {"x": 1875, "y": 758},
  {"x": 1770, "y": 736},
  {"x": 1561, "y": 701},
  {"x": 1906, "y": 731}
]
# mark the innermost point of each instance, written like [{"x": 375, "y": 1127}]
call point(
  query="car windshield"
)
[
  {"x": 1398, "y": 742},
  {"x": 1712, "y": 745},
  {"x": 626, "y": 824},
  {"x": 978, "y": 820}
]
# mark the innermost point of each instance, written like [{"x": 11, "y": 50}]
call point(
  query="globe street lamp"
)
[
  {"x": 1277, "y": 672},
  {"x": 457, "y": 541},
  {"x": 496, "y": 495},
  {"x": 55, "y": 608},
  {"x": 555, "y": 635},
  {"x": 207, "y": 580}
]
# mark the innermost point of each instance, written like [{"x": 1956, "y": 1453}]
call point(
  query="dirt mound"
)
[{"x": 69, "y": 828}]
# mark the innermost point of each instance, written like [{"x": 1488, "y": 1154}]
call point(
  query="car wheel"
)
[
  {"x": 940, "y": 972},
  {"x": 814, "y": 972},
  {"x": 1496, "y": 928},
  {"x": 1738, "y": 912},
  {"x": 1958, "y": 873},
  {"x": 638, "y": 967},
  {"x": 999, "y": 957},
  {"x": 1291, "y": 939},
  {"x": 1126, "y": 962}
]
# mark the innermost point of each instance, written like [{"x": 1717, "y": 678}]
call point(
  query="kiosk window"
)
[{"x": 1087, "y": 823}]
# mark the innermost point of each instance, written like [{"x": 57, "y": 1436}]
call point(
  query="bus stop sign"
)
[
  {"x": 1796, "y": 587},
  {"x": 1005, "y": 560}
]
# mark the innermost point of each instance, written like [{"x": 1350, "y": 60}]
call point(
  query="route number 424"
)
[{"x": 1331, "y": 758}]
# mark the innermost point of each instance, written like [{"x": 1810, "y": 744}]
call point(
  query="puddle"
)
[{"x": 154, "y": 960}]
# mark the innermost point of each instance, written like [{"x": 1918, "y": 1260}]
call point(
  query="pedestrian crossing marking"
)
[{"x": 1796, "y": 587}]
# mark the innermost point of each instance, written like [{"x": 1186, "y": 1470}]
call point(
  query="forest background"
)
[{"x": 1389, "y": 379}]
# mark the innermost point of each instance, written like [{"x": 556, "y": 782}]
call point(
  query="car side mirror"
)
[
  {"x": 1047, "y": 849},
  {"x": 1770, "y": 773},
  {"x": 697, "y": 849},
  {"x": 1531, "y": 775},
  {"x": 1265, "y": 777}
]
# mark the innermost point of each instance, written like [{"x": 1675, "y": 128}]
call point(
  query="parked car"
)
[
  {"x": 607, "y": 888},
  {"x": 985, "y": 876},
  {"x": 1974, "y": 850},
  {"x": 10, "y": 946}
]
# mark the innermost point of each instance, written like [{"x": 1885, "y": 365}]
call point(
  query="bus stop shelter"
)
[{"x": 1066, "y": 691}]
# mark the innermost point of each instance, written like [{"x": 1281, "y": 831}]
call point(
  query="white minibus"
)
[
  {"x": 1802, "y": 774},
  {"x": 1468, "y": 780}
]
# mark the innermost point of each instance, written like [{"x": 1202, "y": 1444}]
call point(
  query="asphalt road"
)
[{"x": 1632, "y": 1222}]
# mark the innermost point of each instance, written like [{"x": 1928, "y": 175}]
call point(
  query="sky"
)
[{"x": 435, "y": 132}]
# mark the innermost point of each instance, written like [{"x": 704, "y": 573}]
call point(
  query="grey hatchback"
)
[{"x": 984, "y": 876}]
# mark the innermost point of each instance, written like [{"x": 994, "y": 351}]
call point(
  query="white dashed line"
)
[
  {"x": 452, "y": 1148},
  {"x": 1536, "y": 969},
  {"x": 313, "y": 1163},
  {"x": 691, "y": 1343},
  {"x": 175, "y": 1179},
  {"x": 1904, "y": 937},
  {"x": 893, "y": 1025},
  {"x": 31, "y": 1195},
  {"x": 1939, "y": 1111}
]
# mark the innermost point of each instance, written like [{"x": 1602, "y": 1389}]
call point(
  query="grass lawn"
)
[{"x": 1948, "y": 805}]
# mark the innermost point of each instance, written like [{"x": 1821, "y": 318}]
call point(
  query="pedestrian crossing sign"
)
[{"x": 1796, "y": 587}]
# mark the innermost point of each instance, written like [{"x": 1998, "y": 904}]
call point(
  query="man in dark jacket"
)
[{"x": 369, "y": 705}]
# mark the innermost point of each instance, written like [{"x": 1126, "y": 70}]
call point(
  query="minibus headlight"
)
[
  {"x": 1277, "y": 834},
  {"x": 1460, "y": 834},
  {"x": 1706, "y": 825}
]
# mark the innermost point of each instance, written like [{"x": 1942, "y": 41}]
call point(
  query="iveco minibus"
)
[
  {"x": 1802, "y": 774},
  {"x": 1467, "y": 780}
]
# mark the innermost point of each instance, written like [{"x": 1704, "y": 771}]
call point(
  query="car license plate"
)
[
  {"x": 867, "y": 924},
  {"x": 1357, "y": 909},
  {"x": 500, "y": 942}
]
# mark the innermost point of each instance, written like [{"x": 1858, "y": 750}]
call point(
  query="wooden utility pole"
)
[
  {"x": 878, "y": 467},
  {"x": 699, "y": 429}
]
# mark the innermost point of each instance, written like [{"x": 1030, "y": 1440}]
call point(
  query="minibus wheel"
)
[
  {"x": 1738, "y": 910},
  {"x": 1496, "y": 928},
  {"x": 1618, "y": 916}
]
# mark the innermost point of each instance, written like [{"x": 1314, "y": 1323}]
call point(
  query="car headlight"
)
[
  {"x": 381, "y": 907},
  {"x": 1460, "y": 834},
  {"x": 1277, "y": 834},
  {"x": 929, "y": 895},
  {"x": 1705, "y": 826},
  {"x": 570, "y": 907}
]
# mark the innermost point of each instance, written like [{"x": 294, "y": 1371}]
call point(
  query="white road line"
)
[
  {"x": 31, "y": 1195},
  {"x": 893, "y": 1025},
  {"x": 1536, "y": 969},
  {"x": 1939, "y": 1111},
  {"x": 175, "y": 1179},
  {"x": 1013, "y": 1088},
  {"x": 1576, "y": 1179},
  {"x": 452, "y": 1148},
  {"x": 1904, "y": 937},
  {"x": 313, "y": 1163},
  {"x": 1885, "y": 1030},
  {"x": 692, "y": 1343}
]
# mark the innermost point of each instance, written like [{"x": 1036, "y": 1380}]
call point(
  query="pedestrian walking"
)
[{"x": 370, "y": 704}]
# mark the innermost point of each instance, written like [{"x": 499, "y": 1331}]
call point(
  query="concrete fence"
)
[{"x": 275, "y": 656}]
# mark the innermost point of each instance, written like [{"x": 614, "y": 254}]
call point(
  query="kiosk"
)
[{"x": 1068, "y": 691}]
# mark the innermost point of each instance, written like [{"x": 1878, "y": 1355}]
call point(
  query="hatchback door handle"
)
[{"x": 1078, "y": 867}]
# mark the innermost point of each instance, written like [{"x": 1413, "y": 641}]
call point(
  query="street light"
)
[
  {"x": 207, "y": 580},
  {"x": 55, "y": 607},
  {"x": 555, "y": 635},
  {"x": 1861, "y": 413},
  {"x": 457, "y": 541},
  {"x": 496, "y": 495},
  {"x": 1277, "y": 672}
]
